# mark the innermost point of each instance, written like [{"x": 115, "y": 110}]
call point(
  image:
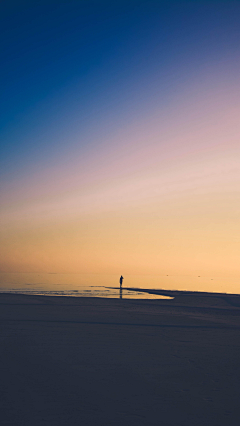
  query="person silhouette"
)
[{"x": 121, "y": 280}]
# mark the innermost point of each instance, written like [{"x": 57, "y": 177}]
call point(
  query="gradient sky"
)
[{"x": 119, "y": 131}]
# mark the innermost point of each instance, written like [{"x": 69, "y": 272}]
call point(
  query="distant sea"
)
[{"x": 100, "y": 285}]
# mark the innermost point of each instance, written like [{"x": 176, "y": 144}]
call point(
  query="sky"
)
[{"x": 119, "y": 130}]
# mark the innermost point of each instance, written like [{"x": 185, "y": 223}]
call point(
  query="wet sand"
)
[{"x": 85, "y": 361}]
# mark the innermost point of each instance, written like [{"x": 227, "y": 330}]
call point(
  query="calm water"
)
[{"x": 95, "y": 285}]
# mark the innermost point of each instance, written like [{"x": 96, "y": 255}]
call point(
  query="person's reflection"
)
[{"x": 120, "y": 293}]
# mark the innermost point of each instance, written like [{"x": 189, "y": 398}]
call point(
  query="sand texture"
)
[{"x": 89, "y": 362}]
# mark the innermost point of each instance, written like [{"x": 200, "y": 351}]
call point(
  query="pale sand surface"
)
[{"x": 85, "y": 361}]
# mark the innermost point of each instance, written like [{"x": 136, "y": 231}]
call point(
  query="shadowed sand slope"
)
[{"x": 80, "y": 361}]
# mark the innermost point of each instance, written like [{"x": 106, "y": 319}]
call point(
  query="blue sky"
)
[
  {"x": 119, "y": 130},
  {"x": 75, "y": 63}
]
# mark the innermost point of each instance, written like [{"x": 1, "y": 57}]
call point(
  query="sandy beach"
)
[{"x": 91, "y": 361}]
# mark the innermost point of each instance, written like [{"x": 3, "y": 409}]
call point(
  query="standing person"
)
[{"x": 121, "y": 280}]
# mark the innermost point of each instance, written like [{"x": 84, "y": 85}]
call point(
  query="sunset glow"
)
[{"x": 129, "y": 163}]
